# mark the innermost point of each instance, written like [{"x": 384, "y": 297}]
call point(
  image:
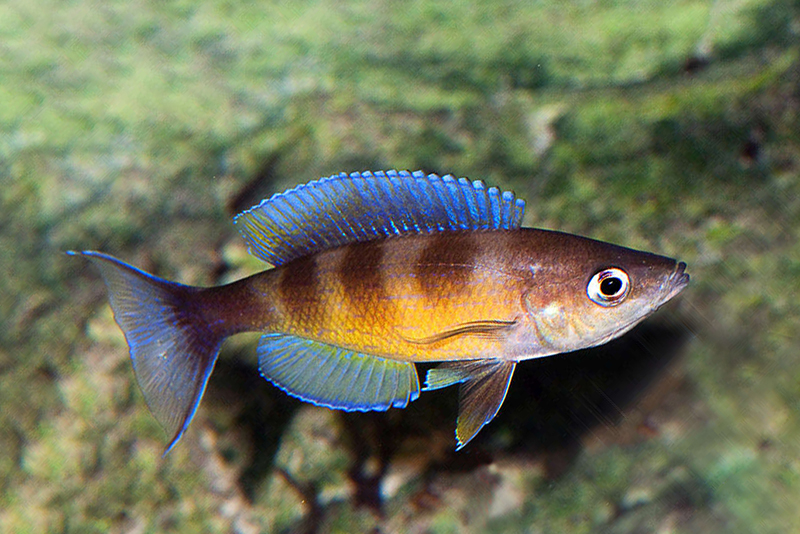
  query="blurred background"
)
[{"x": 140, "y": 128}]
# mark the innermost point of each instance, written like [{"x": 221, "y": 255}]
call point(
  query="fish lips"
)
[{"x": 676, "y": 282}]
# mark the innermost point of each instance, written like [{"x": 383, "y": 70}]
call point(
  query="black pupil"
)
[{"x": 610, "y": 286}]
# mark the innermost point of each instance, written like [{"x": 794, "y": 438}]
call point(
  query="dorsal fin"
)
[{"x": 343, "y": 209}]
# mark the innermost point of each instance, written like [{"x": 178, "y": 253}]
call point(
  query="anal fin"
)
[
  {"x": 484, "y": 384},
  {"x": 334, "y": 377}
]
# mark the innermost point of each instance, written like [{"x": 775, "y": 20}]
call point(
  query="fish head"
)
[{"x": 587, "y": 292}]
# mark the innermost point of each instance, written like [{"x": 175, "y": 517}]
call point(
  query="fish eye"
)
[{"x": 608, "y": 287}]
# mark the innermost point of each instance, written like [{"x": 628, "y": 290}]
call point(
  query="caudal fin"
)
[{"x": 172, "y": 348}]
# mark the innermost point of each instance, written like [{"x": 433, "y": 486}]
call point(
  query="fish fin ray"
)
[
  {"x": 353, "y": 381},
  {"x": 173, "y": 351},
  {"x": 343, "y": 209},
  {"x": 482, "y": 390},
  {"x": 488, "y": 329},
  {"x": 444, "y": 375}
]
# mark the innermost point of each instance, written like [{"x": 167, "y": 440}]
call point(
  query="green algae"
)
[{"x": 137, "y": 129}]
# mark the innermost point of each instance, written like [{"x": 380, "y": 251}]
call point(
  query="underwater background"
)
[{"x": 140, "y": 128}]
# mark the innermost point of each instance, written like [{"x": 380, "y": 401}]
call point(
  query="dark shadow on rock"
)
[
  {"x": 769, "y": 24},
  {"x": 551, "y": 405},
  {"x": 553, "y": 402},
  {"x": 262, "y": 415},
  {"x": 257, "y": 188}
]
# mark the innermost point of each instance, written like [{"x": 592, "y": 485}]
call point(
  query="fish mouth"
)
[{"x": 676, "y": 282}]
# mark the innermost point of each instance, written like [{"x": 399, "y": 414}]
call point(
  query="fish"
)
[{"x": 373, "y": 273}]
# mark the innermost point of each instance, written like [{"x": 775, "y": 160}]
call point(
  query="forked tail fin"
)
[{"x": 172, "y": 347}]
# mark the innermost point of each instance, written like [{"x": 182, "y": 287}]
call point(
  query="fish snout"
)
[{"x": 676, "y": 282}]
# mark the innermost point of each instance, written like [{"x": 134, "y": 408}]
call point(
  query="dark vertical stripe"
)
[
  {"x": 447, "y": 263},
  {"x": 299, "y": 289},
  {"x": 360, "y": 273}
]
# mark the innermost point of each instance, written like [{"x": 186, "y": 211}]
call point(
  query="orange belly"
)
[{"x": 418, "y": 298}]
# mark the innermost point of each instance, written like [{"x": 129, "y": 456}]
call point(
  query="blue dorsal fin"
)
[
  {"x": 343, "y": 209},
  {"x": 334, "y": 377}
]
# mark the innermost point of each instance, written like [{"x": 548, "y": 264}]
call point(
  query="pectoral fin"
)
[
  {"x": 484, "y": 384},
  {"x": 489, "y": 329}
]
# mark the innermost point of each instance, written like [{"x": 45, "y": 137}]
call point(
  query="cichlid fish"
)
[{"x": 373, "y": 272}]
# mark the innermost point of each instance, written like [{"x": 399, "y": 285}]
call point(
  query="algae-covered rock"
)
[{"x": 139, "y": 129}]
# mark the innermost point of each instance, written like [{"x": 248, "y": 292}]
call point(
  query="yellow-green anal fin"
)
[
  {"x": 330, "y": 376},
  {"x": 484, "y": 384}
]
